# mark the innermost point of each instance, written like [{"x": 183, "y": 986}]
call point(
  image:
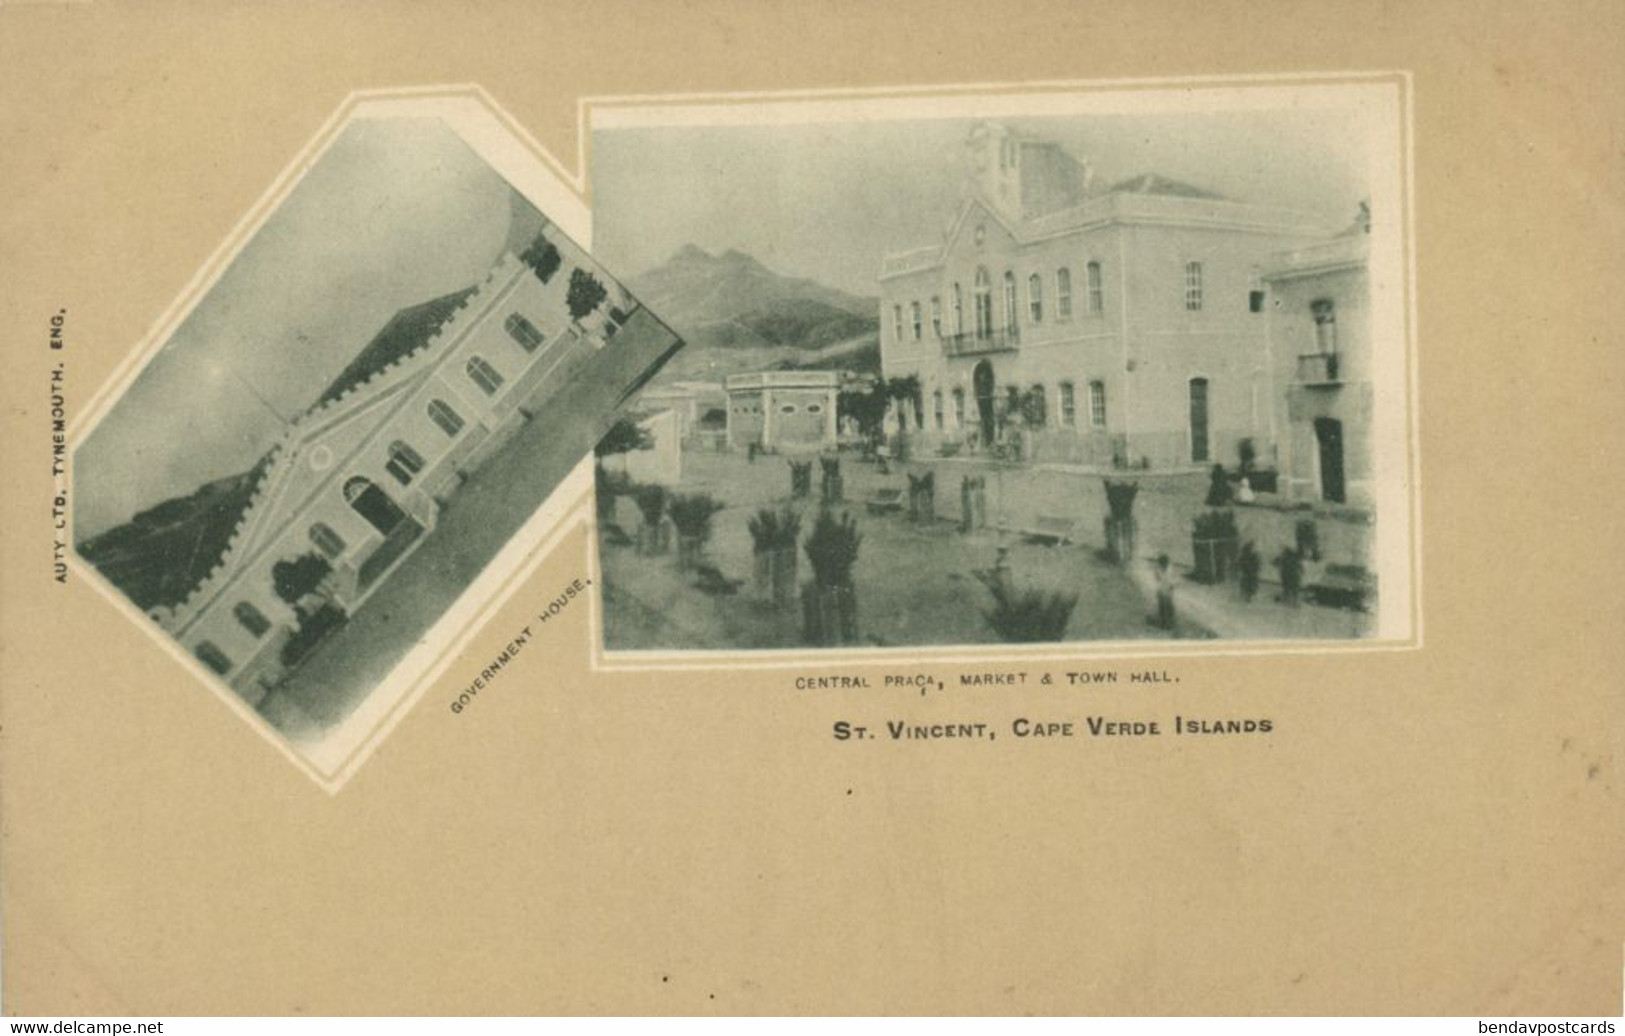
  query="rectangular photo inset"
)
[{"x": 1087, "y": 368}]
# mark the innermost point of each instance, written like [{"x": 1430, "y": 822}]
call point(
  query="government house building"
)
[
  {"x": 1113, "y": 326},
  {"x": 357, "y": 482}
]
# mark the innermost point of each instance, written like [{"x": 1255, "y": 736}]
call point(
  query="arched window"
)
[
  {"x": 897, "y": 323},
  {"x": 1010, "y": 320},
  {"x": 984, "y": 304},
  {"x": 212, "y": 657},
  {"x": 936, "y": 315},
  {"x": 1063, "y": 294},
  {"x": 1097, "y": 295},
  {"x": 936, "y": 403},
  {"x": 914, "y": 317},
  {"x": 959, "y": 309},
  {"x": 326, "y": 540},
  {"x": 1069, "y": 405},
  {"x": 1035, "y": 298},
  {"x": 404, "y": 462},
  {"x": 525, "y": 333},
  {"x": 449, "y": 420},
  {"x": 252, "y": 619},
  {"x": 484, "y": 375},
  {"x": 373, "y": 504}
]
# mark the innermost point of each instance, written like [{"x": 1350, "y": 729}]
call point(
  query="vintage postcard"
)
[
  {"x": 299, "y": 486},
  {"x": 1072, "y": 367},
  {"x": 603, "y": 508}
]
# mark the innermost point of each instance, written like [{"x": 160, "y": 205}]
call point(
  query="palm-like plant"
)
[{"x": 1029, "y": 616}]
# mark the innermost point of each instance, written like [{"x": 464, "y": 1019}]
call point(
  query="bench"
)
[
  {"x": 1050, "y": 529},
  {"x": 1342, "y": 586},
  {"x": 883, "y": 501}
]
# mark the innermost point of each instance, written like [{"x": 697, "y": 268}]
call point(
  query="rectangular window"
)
[
  {"x": 1035, "y": 299},
  {"x": 1069, "y": 405},
  {"x": 897, "y": 323},
  {"x": 1063, "y": 294},
  {"x": 936, "y": 315},
  {"x": 1325, "y": 314},
  {"x": 1097, "y": 404},
  {"x": 1193, "y": 286},
  {"x": 1097, "y": 293},
  {"x": 936, "y": 400},
  {"x": 914, "y": 318}
]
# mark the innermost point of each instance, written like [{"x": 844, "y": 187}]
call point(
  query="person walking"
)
[{"x": 1165, "y": 592}]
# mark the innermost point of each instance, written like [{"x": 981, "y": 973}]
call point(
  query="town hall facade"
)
[{"x": 1119, "y": 326}]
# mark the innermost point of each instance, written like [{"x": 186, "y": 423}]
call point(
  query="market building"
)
[{"x": 783, "y": 411}]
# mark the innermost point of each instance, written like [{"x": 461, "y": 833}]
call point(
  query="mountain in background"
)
[
  {"x": 737, "y": 315},
  {"x": 161, "y": 555}
]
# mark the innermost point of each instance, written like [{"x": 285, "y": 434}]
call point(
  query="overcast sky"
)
[
  {"x": 396, "y": 212},
  {"x": 828, "y": 200}
]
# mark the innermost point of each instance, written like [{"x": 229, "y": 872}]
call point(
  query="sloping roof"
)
[
  {"x": 1151, "y": 183},
  {"x": 407, "y": 330}
]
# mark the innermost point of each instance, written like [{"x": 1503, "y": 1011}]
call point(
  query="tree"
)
[
  {"x": 867, "y": 408},
  {"x": 906, "y": 390},
  {"x": 623, "y": 437},
  {"x": 585, "y": 295},
  {"x": 295, "y": 579},
  {"x": 1033, "y": 405},
  {"x": 542, "y": 258}
]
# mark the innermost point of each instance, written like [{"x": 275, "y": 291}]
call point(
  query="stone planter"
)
[
  {"x": 776, "y": 576},
  {"x": 1215, "y": 559},
  {"x": 1120, "y": 537},
  {"x": 829, "y": 614},
  {"x": 834, "y": 489},
  {"x": 972, "y": 503},
  {"x": 922, "y": 498},
  {"x": 690, "y": 549},
  {"x": 800, "y": 480},
  {"x": 654, "y": 538}
]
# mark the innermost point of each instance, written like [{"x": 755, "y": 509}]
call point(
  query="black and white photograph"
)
[
  {"x": 377, "y": 394},
  {"x": 1119, "y": 367}
]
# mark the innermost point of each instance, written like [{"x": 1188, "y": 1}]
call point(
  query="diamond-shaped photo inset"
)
[{"x": 381, "y": 389}]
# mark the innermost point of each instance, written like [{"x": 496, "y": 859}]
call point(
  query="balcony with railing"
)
[
  {"x": 1318, "y": 369},
  {"x": 1001, "y": 340}
]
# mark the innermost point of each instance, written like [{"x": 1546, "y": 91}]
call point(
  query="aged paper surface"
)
[{"x": 560, "y": 822}]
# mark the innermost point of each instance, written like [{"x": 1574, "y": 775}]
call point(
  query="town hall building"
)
[{"x": 1113, "y": 326}]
